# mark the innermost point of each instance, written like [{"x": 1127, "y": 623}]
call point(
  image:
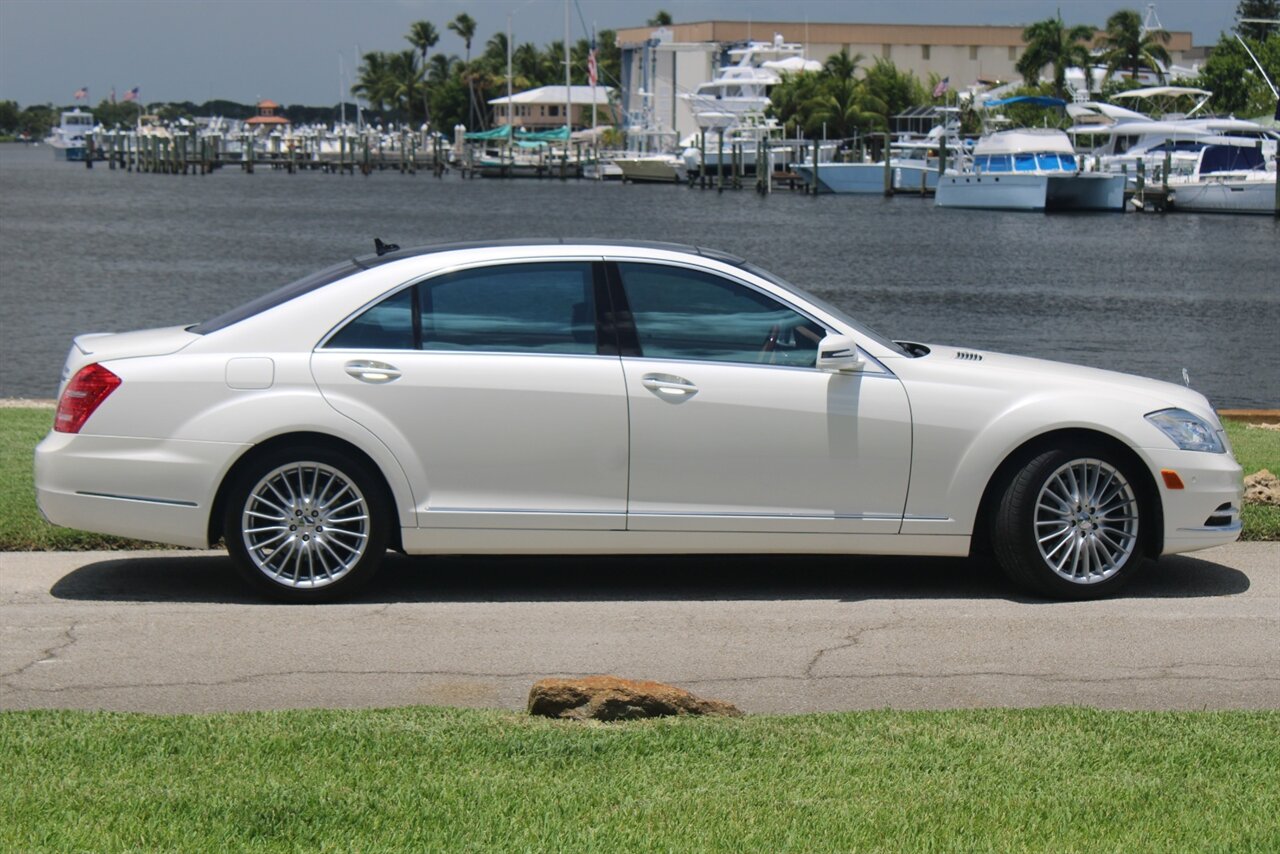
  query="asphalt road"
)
[{"x": 176, "y": 632}]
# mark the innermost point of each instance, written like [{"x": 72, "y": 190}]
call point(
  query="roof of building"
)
[
  {"x": 846, "y": 34},
  {"x": 267, "y": 120},
  {"x": 267, "y": 103},
  {"x": 555, "y": 95}
]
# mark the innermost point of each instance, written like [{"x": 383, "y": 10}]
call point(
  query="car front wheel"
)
[
  {"x": 306, "y": 525},
  {"x": 1068, "y": 524}
]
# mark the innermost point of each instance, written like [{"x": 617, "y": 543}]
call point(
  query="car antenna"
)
[{"x": 383, "y": 248}]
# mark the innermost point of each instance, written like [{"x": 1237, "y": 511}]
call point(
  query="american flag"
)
[
  {"x": 82, "y": 93},
  {"x": 132, "y": 94},
  {"x": 593, "y": 69},
  {"x": 113, "y": 94},
  {"x": 943, "y": 85}
]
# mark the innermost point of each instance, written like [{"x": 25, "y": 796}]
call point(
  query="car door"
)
[
  {"x": 494, "y": 390},
  {"x": 732, "y": 426}
]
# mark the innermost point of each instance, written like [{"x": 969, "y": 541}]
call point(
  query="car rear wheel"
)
[
  {"x": 306, "y": 525},
  {"x": 1068, "y": 524}
]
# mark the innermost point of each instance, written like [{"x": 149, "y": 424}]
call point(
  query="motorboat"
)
[
  {"x": 1028, "y": 169},
  {"x": 650, "y": 168},
  {"x": 67, "y": 139}
]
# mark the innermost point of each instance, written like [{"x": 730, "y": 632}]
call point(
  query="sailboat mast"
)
[{"x": 568, "y": 97}]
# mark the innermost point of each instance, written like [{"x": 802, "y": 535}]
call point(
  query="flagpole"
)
[{"x": 595, "y": 65}]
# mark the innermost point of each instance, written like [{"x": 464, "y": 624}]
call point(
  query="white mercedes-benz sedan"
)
[{"x": 583, "y": 397}]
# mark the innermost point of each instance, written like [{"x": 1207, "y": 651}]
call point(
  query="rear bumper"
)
[
  {"x": 1206, "y": 512},
  {"x": 147, "y": 489}
]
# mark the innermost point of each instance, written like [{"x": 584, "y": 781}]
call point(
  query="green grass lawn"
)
[
  {"x": 21, "y": 527},
  {"x": 424, "y": 779}
]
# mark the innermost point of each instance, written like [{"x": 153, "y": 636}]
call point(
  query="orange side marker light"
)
[{"x": 1171, "y": 479}]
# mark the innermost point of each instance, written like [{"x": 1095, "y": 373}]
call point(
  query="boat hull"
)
[
  {"x": 844, "y": 178},
  {"x": 1089, "y": 192},
  {"x": 646, "y": 170},
  {"x": 1253, "y": 197}
]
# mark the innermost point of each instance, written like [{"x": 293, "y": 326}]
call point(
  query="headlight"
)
[{"x": 1189, "y": 432}]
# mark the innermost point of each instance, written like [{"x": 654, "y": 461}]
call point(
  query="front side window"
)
[
  {"x": 691, "y": 314},
  {"x": 512, "y": 308}
]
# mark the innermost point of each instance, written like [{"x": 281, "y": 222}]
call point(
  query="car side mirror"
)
[{"x": 839, "y": 354}]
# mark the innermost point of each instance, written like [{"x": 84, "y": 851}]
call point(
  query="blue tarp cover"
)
[{"x": 1036, "y": 100}]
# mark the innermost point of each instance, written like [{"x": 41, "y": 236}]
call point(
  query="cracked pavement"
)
[{"x": 176, "y": 631}]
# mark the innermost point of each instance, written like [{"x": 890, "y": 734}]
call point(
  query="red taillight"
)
[{"x": 88, "y": 388}]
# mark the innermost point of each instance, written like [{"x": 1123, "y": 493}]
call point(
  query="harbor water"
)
[{"x": 100, "y": 250}]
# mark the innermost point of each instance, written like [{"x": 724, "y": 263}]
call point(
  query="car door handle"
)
[
  {"x": 669, "y": 387},
  {"x": 368, "y": 371}
]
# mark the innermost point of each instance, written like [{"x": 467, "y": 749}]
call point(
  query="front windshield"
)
[{"x": 827, "y": 307}]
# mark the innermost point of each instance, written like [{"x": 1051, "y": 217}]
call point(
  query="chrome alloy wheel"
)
[
  {"x": 305, "y": 524},
  {"x": 1086, "y": 521}
]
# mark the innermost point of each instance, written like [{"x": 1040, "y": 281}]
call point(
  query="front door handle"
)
[
  {"x": 368, "y": 371},
  {"x": 669, "y": 387}
]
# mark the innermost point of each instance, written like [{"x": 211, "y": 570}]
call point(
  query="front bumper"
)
[
  {"x": 1206, "y": 512},
  {"x": 147, "y": 489}
]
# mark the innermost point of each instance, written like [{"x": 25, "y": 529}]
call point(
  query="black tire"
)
[
  {"x": 1050, "y": 542},
  {"x": 309, "y": 550}
]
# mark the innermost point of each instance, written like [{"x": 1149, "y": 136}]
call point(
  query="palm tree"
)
[
  {"x": 526, "y": 63},
  {"x": 372, "y": 79},
  {"x": 846, "y": 108},
  {"x": 1126, "y": 46},
  {"x": 423, "y": 36},
  {"x": 842, "y": 66},
  {"x": 404, "y": 81},
  {"x": 465, "y": 26},
  {"x": 1050, "y": 42}
]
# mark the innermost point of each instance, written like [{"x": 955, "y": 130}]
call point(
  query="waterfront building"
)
[
  {"x": 543, "y": 108},
  {"x": 267, "y": 119},
  {"x": 660, "y": 64}
]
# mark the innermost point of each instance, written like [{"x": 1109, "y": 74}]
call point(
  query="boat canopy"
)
[
  {"x": 1231, "y": 158},
  {"x": 559, "y": 134},
  {"x": 1034, "y": 100}
]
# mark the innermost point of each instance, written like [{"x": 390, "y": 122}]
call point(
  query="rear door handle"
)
[
  {"x": 669, "y": 387},
  {"x": 368, "y": 371}
]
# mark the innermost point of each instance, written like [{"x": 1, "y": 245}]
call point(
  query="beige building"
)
[
  {"x": 677, "y": 58},
  {"x": 543, "y": 108}
]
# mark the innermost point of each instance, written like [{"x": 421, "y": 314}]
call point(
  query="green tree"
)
[
  {"x": 406, "y": 84},
  {"x": 1257, "y": 10},
  {"x": 465, "y": 27},
  {"x": 1234, "y": 80},
  {"x": 373, "y": 80},
  {"x": 1126, "y": 47},
  {"x": 1050, "y": 42},
  {"x": 898, "y": 90},
  {"x": 9, "y": 117},
  {"x": 423, "y": 36},
  {"x": 842, "y": 66},
  {"x": 845, "y": 109},
  {"x": 661, "y": 19}
]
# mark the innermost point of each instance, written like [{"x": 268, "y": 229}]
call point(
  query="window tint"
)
[
  {"x": 688, "y": 314},
  {"x": 524, "y": 308},
  {"x": 386, "y": 326}
]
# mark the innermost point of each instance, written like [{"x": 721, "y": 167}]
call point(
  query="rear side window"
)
[
  {"x": 516, "y": 308},
  {"x": 512, "y": 308},
  {"x": 279, "y": 296}
]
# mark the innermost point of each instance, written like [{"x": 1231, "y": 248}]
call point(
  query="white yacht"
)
[
  {"x": 742, "y": 87},
  {"x": 67, "y": 139},
  {"x": 1227, "y": 178},
  {"x": 650, "y": 168},
  {"x": 1028, "y": 169}
]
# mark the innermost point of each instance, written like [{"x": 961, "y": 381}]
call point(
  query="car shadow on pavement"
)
[{"x": 205, "y": 578}]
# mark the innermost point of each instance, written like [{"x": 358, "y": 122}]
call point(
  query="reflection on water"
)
[{"x": 99, "y": 250}]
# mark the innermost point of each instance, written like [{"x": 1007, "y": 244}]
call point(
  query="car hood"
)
[{"x": 1028, "y": 372}]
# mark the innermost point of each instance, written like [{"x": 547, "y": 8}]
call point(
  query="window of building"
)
[
  {"x": 1013, "y": 52},
  {"x": 886, "y": 50},
  {"x": 973, "y": 51},
  {"x": 924, "y": 51},
  {"x": 693, "y": 315}
]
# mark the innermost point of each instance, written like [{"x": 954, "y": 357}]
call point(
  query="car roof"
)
[{"x": 368, "y": 261}]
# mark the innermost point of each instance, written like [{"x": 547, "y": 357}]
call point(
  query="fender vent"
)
[{"x": 965, "y": 355}]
